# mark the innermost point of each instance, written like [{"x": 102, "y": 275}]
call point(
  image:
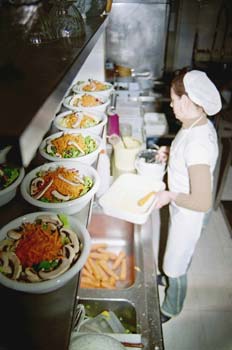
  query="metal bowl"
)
[{"x": 149, "y": 155}]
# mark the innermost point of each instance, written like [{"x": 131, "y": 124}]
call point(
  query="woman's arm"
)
[{"x": 200, "y": 196}]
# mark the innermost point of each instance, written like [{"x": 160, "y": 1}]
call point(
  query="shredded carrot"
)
[
  {"x": 70, "y": 120},
  {"x": 95, "y": 86},
  {"x": 87, "y": 101},
  {"x": 38, "y": 244},
  {"x": 60, "y": 185},
  {"x": 62, "y": 143}
]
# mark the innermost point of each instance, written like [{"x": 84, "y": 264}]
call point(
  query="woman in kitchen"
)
[{"x": 192, "y": 159}]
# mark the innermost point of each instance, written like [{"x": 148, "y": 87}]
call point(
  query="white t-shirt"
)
[{"x": 197, "y": 145}]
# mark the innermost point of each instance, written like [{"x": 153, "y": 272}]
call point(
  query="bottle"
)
[{"x": 103, "y": 169}]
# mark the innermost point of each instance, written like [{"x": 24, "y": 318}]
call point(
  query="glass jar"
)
[{"x": 66, "y": 20}]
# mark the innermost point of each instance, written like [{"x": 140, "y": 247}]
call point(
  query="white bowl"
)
[
  {"x": 89, "y": 158},
  {"x": 96, "y": 129},
  {"x": 68, "y": 103},
  {"x": 53, "y": 284},
  {"x": 69, "y": 207},
  {"x": 9, "y": 193},
  {"x": 80, "y": 86}
]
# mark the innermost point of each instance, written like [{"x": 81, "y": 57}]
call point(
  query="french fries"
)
[{"x": 103, "y": 268}]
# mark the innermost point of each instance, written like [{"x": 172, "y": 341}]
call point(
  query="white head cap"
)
[{"x": 202, "y": 91}]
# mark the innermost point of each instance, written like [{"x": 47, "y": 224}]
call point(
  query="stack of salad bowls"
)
[{"x": 65, "y": 186}]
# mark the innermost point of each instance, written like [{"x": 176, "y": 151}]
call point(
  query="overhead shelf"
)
[{"x": 35, "y": 78}]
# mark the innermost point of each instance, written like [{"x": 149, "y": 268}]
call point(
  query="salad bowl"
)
[
  {"x": 65, "y": 187},
  {"x": 66, "y": 146},
  {"x": 86, "y": 102},
  {"x": 10, "y": 178},
  {"x": 93, "y": 86},
  {"x": 42, "y": 272},
  {"x": 79, "y": 121}
]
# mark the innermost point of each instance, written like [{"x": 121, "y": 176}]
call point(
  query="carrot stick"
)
[
  {"x": 96, "y": 246},
  {"x": 118, "y": 260},
  {"x": 88, "y": 267},
  {"x": 104, "y": 276},
  {"x": 100, "y": 256},
  {"x": 94, "y": 269},
  {"x": 111, "y": 255},
  {"x": 90, "y": 281},
  {"x": 107, "y": 285},
  {"x": 108, "y": 270},
  {"x": 123, "y": 270},
  {"x": 85, "y": 272}
]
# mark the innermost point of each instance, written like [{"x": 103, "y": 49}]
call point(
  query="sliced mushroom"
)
[
  {"x": 53, "y": 219},
  {"x": 69, "y": 252},
  {"x": 31, "y": 275},
  {"x": 10, "y": 259},
  {"x": 72, "y": 237},
  {"x": 73, "y": 143},
  {"x": 64, "y": 266},
  {"x": 5, "y": 244},
  {"x": 34, "y": 185},
  {"x": 6, "y": 268},
  {"x": 60, "y": 196},
  {"x": 79, "y": 118},
  {"x": 14, "y": 234},
  {"x": 41, "y": 193},
  {"x": 68, "y": 181},
  {"x": 49, "y": 147}
]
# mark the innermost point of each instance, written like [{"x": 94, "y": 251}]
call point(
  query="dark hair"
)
[{"x": 177, "y": 83}]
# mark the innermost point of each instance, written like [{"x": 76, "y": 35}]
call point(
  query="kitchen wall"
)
[
  {"x": 200, "y": 31},
  {"x": 136, "y": 35}
]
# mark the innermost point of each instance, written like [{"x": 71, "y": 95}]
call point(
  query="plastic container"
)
[
  {"x": 113, "y": 125},
  {"x": 121, "y": 200},
  {"x": 146, "y": 165},
  {"x": 125, "y": 152},
  {"x": 103, "y": 169},
  {"x": 106, "y": 322}
]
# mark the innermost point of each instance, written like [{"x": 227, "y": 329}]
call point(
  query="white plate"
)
[
  {"x": 121, "y": 200},
  {"x": 96, "y": 129},
  {"x": 68, "y": 103},
  {"x": 79, "y": 87}
]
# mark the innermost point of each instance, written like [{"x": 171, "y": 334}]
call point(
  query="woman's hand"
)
[
  {"x": 163, "y": 198},
  {"x": 162, "y": 154}
]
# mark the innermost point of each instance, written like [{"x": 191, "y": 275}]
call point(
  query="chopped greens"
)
[{"x": 7, "y": 175}]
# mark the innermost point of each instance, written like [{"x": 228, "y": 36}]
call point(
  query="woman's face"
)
[{"x": 176, "y": 105}]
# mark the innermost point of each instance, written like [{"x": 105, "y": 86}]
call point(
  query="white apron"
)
[{"x": 185, "y": 225}]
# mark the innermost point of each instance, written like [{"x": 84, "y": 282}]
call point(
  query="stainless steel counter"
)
[{"x": 141, "y": 293}]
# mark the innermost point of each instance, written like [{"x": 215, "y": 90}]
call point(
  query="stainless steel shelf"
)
[{"x": 35, "y": 78}]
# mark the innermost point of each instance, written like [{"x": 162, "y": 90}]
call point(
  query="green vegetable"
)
[
  {"x": 64, "y": 219},
  {"x": 46, "y": 265},
  {"x": 88, "y": 183}
]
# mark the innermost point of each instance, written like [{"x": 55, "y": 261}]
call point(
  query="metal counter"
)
[{"x": 142, "y": 294}]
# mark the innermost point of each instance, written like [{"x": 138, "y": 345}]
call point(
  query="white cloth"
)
[
  {"x": 190, "y": 147},
  {"x": 202, "y": 91}
]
